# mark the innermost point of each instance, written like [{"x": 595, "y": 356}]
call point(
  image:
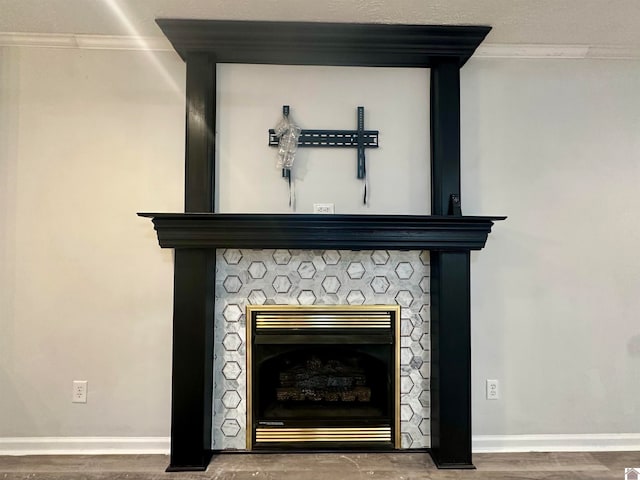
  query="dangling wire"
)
[
  {"x": 366, "y": 187},
  {"x": 362, "y": 163}
]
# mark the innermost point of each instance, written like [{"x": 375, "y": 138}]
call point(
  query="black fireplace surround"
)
[{"x": 196, "y": 234}]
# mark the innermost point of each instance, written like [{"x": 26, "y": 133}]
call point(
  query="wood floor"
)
[{"x": 388, "y": 466}]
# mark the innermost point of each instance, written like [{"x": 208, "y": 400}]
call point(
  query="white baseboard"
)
[
  {"x": 595, "y": 442},
  {"x": 84, "y": 445},
  {"x": 160, "y": 445}
]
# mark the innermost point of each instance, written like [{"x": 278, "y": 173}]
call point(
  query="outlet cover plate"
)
[
  {"x": 79, "y": 394},
  {"x": 323, "y": 208},
  {"x": 493, "y": 391}
]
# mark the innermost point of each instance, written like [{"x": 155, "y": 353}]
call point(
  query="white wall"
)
[
  {"x": 396, "y": 103},
  {"x": 555, "y": 145},
  {"x": 88, "y": 138}
]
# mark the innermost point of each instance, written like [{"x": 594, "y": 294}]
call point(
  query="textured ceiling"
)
[{"x": 584, "y": 22}]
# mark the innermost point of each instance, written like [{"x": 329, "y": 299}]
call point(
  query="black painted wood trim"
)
[
  {"x": 451, "y": 359},
  {"x": 194, "y": 282},
  {"x": 356, "y": 232},
  {"x": 445, "y": 136},
  {"x": 450, "y": 286},
  {"x": 312, "y": 43},
  {"x": 192, "y": 379},
  {"x": 201, "y": 43},
  {"x": 200, "y": 137}
]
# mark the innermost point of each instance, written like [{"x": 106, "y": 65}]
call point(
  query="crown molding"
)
[
  {"x": 82, "y": 41},
  {"x": 509, "y": 50},
  {"x": 162, "y": 44}
]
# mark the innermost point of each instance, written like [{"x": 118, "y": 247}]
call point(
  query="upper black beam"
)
[
  {"x": 312, "y": 43},
  {"x": 308, "y": 231}
]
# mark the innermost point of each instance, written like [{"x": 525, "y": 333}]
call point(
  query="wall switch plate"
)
[
  {"x": 493, "y": 393},
  {"x": 79, "y": 391},
  {"x": 323, "y": 208}
]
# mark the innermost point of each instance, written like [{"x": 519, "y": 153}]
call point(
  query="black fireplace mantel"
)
[
  {"x": 444, "y": 49},
  {"x": 309, "y": 231}
]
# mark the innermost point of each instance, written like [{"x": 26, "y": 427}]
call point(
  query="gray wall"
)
[
  {"x": 555, "y": 145},
  {"x": 88, "y": 138}
]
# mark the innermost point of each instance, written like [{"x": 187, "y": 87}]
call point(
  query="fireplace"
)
[
  {"x": 314, "y": 278},
  {"x": 323, "y": 377},
  {"x": 199, "y": 233},
  {"x": 199, "y": 239}
]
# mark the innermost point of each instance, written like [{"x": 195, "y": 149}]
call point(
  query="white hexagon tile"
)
[{"x": 316, "y": 277}]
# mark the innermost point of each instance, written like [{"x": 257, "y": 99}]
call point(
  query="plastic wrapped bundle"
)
[{"x": 288, "y": 134}]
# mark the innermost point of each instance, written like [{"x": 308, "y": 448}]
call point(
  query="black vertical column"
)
[
  {"x": 445, "y": 135},
  {"x": 194, "y": 283},
  {"x": 199, "y": 175},
  {"x": 450, "y": 289},
  {"x": 450, "y": 360},
  {"x": 192, "y": 380}
]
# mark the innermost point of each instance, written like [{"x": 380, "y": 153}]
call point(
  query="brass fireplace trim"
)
[
  {"x": 328, "y": 434},
  {"x": 302, "y": 319},
  {"x": 356, "y": 318}
]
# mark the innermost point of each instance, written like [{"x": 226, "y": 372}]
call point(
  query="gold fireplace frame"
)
[{"x": 360, "y": 318}]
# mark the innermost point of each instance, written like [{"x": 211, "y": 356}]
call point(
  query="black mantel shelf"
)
[{"x": 309, "y": 231}]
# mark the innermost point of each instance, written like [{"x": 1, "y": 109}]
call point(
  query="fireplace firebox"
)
[{"x": 323, "y": 377}]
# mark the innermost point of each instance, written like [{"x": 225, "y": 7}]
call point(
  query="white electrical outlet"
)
[
  {"x": 493, "y": 393},
  {"x": 79, "y": 391},
  {"x": 323, "y": 208}
]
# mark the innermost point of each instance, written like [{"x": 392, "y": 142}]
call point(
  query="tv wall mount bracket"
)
[{"x": 359, "y": 139}]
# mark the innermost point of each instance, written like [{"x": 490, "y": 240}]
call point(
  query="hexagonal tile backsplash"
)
[{"x": 316, "y": 277}]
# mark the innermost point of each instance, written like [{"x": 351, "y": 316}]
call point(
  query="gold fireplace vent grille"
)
[
  {"x": 306, "y": 319},
  {"x": 327, "y": 434}
]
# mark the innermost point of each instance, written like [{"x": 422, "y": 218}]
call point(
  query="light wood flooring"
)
[{"x": 396, "y": 466}]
